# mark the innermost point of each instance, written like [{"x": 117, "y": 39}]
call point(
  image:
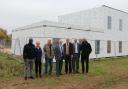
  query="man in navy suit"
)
[
  {"x": 58, "y": 55},
  {"x": 62, "y": 56}
]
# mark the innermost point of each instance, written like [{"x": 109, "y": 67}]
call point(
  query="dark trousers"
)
[
  {"x": 61, "y": 65},
  {"x": 48, "y": 64},
  {"x": 68, "y": 66},
  {"x": 38, "y": 67},
  {"x": 83, "y": 60},
  {"x": 75, "y": 63},
  {"x": 28, "y": 67},
  {"x": 57, "y": 68}
]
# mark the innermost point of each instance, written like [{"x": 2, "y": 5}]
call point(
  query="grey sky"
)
[{"x": 16, "y": 13}]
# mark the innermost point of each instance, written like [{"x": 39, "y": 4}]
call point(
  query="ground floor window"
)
[
  {"x": 109, "y": 46},
  {"x": 120, "y": 46},
  {"x": 97, "y": 46}
]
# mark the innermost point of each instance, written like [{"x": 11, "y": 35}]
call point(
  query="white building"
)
[{"x": 105, "y": 28}]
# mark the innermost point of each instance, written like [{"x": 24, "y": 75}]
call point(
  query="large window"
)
[
  {"x": 109, "y": 46},
  {"x": 109, "y": 23},
  {"x": 120, "y": 46},
  {"x": 97, "y": 46},
  {"x": 120, "y": 25}
]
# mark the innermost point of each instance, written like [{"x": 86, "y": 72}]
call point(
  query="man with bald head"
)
[{"x": 68, "y": 54}]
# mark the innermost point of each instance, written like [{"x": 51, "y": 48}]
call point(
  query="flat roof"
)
[{"x": 57, "y": 25}]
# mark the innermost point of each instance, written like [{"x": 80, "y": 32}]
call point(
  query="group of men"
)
[{"x": 69, "y": 52}]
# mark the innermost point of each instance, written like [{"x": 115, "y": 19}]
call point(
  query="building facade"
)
[{"x": 105, "y": 28}]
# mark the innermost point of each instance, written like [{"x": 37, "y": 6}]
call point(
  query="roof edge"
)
[{"x": 115, "y": 9}]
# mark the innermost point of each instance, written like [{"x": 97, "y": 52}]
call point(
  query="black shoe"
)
[
  {"x": 61, "y": 74},
  {"x": 70, "y": 72},
  {"x": 40, "y": 76},
  {"x": 77, "y": 72},
  {"x": 36, "y": 75},
  {"x": 57, "y": 76},
  {"x": 31, "y": 77},
  {"x": 25, "y": 78},
  {"x": 50, "y": 73},
  {"x": 74, "y": 72}
]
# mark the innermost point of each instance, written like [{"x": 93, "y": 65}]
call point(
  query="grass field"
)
[{"x": 109, "y": 73}]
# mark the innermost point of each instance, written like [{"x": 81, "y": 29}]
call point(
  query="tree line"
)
[{"x": 4, "y": 35}]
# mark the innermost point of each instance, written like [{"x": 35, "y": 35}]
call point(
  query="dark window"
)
[
  {"x": 109, "y": 23},
  {"x": 120, "y": 25},
  {"x": 97, "y": 46},
  {"x": 120, "y": 46},
  {"x": 108, "y": 46}
]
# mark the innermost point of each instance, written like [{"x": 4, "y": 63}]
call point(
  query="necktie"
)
[
  {"x": 61, "y": 50},
  {"x": 50, "y": 50}
]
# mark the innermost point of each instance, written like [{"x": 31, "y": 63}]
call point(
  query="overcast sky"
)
[{"x": 17, "y": 13}]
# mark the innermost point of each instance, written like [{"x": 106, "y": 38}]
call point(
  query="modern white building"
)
[{"x": 105, "y": 28}]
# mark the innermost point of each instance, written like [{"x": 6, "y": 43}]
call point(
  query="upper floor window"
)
[
  {"x": 120, "y": 25},
  {"x": 109, "y": 23}
]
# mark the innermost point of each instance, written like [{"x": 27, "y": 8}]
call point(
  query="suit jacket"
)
[
  {"x": 70, "y": 49},
  {"x": 29, "y": 51},
  {"x": 38, "y": 54},
  {"x": 47, "y": 51},
  {"x": 85, "y": 50},
  {"x": 78, "y": 48},
  {"x": 57, "y": 52}
]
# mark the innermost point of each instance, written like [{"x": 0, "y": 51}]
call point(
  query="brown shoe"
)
[{"x": 25, "y": 78}]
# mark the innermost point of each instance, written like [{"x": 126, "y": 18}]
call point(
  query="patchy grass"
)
[
  {"x": 104, "y": 74},
  {"x": 10, "y": 67}
]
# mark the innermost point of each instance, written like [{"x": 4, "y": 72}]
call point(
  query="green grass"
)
[
  {"x": 10, "y": 67},
  {"x": 106, "y": 72}
]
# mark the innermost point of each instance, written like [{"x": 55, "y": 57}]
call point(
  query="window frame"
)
[
  {"x": 97, "y": 47},
  {"x": 120, "y": 24},
  {"x": 109, "y": 46},
  {"x": 109, "y": 22},
  {"x": 120, "y": 46}
]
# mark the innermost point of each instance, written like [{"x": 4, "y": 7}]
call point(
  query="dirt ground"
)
[
  {"x": 65, "y": 82},
  {"x": 62, "y": 83}
]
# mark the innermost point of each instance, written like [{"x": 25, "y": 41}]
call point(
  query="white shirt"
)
[
  {"x": 67, "y": 48},
  {"x": 76, "y": 48},
  {"x": 61, "y": 48}
]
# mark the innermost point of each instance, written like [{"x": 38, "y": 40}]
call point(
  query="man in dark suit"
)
[
  {"x": 68, "y": 54},
  {"x": 58, "y": 56},
  {"x": 76, "y": 55},
  {"x": 62, "y": 56},
  {"x": 85, "y": 52}
]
